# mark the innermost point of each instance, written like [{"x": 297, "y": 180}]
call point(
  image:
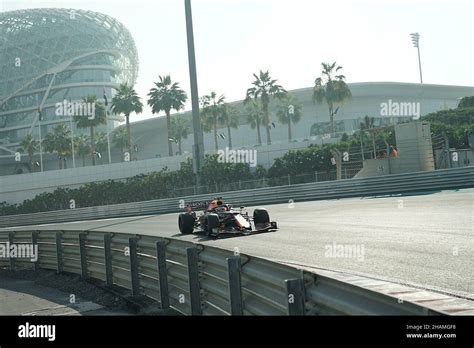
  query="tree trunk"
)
[
  {"x": 229, "y": 134},
  {"x": 259, "y": 136},
  {"x": 373, "y": 144},
  {"x": 331, "y": 118},
  {"x": 362, "y": 146},
  {"x": 168, "y": 127},
  {"x": 30, "y": 155},
  {"x": 92, "y": 146},
  {"x": 129, "y": 135},
  {"x": 267, "y": 123},
  {"x": 215, "y": 134},
  {"x": 289, "y": 129}
]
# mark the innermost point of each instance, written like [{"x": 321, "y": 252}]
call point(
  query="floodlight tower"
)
[{"x": 415, "y": 39}]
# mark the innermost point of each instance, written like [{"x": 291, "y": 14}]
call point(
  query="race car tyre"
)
[
  {"x": 260, "y": 216},
  {"x": 212, "y": 221},
  {"x": 186, "y": 223}
]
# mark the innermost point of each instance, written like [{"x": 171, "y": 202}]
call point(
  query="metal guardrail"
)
[
  {"x": 382, "y": 185},
  {"x": 196, "y": 279}
]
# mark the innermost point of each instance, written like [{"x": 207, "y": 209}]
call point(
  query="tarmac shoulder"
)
[{"x": 46, "y": 293}]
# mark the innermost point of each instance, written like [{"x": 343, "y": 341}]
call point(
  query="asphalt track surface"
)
[{"x": 424, "y": 240}]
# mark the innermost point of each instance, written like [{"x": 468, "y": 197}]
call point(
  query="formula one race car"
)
[{"x": 219, "y": 218}]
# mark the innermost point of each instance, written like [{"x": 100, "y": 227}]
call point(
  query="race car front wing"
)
[{"x": 259, "y": 228}]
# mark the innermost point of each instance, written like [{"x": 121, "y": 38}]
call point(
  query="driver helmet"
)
[{"x": 213, "y": 205}]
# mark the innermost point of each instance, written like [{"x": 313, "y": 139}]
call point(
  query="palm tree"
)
[
  {"x": 255, "y": 118},
  {"x": 165, "y": 97},
  {"x": 59, "y": 141},
  {"x": 212, "y": 108},
  {"x": 288, "y": 112},
  {"x": 125, "y": 102},
  {"x": 82, "y": 147},
  {"x": 230, "y": 118},
  {"x": 331, "y": 89},
  {"x": 368, "y": 123},
  {"x": 91, "y": 123},
  {"x": 100, "y": 144},
  {"x": 120, "y": 139},
  {"x": 264, "y": 88},
  {"x": 179, "y": 130},
  {"x": 29, "y": 145}
]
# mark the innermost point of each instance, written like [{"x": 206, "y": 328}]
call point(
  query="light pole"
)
[
  {"x": 71, "y": 120},
  {"x": 108, "y": 136},
  {"x": 106, "y": 103},
  {"x": 415, "y": 39},
  {"x": 40, "y": 117},
  {"x": 198, "y": 153},
  {"x": 72, "y": 144}
]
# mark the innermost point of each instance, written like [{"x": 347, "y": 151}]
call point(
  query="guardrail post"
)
[
  {"x": 235, "y": 285},
  {"x": 83, "y": 255},
  {"x": 59, "y": 252},
  {"x": 11, "y": 239},
  {"x": 34, "y": 241},
  {"x": 162, "y": 274},
  {"x": 193, "y": 276},
  {"x": 132, "y": 248},
  {"x": 295, "y": 296},
  {"x": 108, "y": 259}
]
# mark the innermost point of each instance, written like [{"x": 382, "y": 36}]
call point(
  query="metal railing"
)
[
  {"x": 196, "y": 279},
  {"x": 380, "y": 185}
]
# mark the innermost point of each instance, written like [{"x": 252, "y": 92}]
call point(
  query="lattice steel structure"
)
[{"x": 51, "y": 55}]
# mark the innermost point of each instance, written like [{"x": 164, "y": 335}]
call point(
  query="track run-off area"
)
[{"x": 424, "y": 240}]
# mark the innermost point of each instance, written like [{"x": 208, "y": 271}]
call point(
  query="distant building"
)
[
  {"x": 368, "y": 98},
  {"x": 48, "y": 56}
]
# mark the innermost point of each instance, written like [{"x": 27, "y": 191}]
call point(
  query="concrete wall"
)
[
  {"x": 415, "y": 152},
  {"x": 414, "y": 147},
  {"x": 17, "y": 188},
  {"x": 374, "y": 167}
]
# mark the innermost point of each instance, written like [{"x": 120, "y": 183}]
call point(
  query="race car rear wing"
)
[
  {"x": 198, "y": 205},
  {"x": 201, "y": 204}
]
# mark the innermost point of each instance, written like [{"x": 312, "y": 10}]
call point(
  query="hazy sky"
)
[{"x": 235, "y": 38}]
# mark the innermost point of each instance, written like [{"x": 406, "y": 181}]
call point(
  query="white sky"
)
[{"x": 235, "y": 38}]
